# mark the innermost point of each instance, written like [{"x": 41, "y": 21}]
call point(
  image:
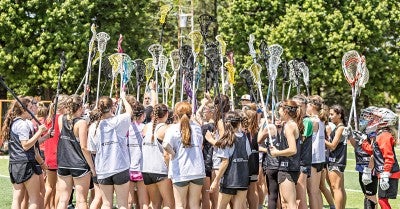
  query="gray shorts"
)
[{"x": 186, "y": 183}]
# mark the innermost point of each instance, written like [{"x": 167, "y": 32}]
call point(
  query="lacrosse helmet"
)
[
  {"x": 383, "y": 118},
  {"x": 366, "y": 116}
]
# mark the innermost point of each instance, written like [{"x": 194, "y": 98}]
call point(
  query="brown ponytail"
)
[
  {"x": 159, "y": 112},
  {"x": 14, "y": 111},
  {"x": 104, "y": 106},
  {"x": 184, "y": 110},
  {"x": 294, "y": 111},
  {"x": 232, "y": 121}
]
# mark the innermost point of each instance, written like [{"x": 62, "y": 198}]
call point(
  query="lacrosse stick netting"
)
[{"x": 102, "y": 39}]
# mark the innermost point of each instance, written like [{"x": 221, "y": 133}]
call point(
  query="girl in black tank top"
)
[
  {"x": 289, "y": 155},
  {"x": 337, "y": 146}
]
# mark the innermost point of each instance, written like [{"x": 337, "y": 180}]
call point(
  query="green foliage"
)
[{"x": 320, "y": 33}]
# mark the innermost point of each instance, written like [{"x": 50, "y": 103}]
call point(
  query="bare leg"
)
[
  {"x": 301, "y": 189},
  {"x": 314, "y": 193}
]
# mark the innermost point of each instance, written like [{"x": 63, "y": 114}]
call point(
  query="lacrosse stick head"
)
[
  {"x": 149, "y": 69},
  {"x": 351, "y": 66},
  {"x": 275, "y": 50},
  {"x": 116, "y": 61},
  {"x": 140, "y": 68},
  {"x": 255, "y": 70},
  {"x": 264, "y": 55},
  {"x": 273, "y": 63},
  {"x": 162, "y": 64},
  {"x": 292, "y": 74},
  {"x": 197, "y": 39},
  {"x": 364, "y": 74},
  {"x": 222, "y": 44},
  {"x": 174, "y": 59},
  {"x": 285, "y": 71},
  {"x": 164, "y": 10},
  {"x": 231, "y": 72},
  {"x": 102, "y": 39},
  {"x": 91, "y": 43},
  {"x": 246, "y": 75},
  {"x": 252, "y": 51},
  {"x": 155, "y": 50},
  {"x": 212, "y": 52},
  {"x": 168, "y": 80},
  {"x": 205, "y": 20},
  {"x": 184, "y": 54},
  {"x": 127, "y": 68},
  {"x": 304, "y": 69}
]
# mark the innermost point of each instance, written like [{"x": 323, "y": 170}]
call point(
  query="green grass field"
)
[{"x": 354, "y": 195}]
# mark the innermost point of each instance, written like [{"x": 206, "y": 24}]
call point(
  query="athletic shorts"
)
[
  {"x": 75, "y": 173},
  {"x": 94, "y": 179},
  {"x": 390, "y": 193},
  {"x": 186, "y": 183},
  {"x": 208, "y": 173},
  {"x": 91, "y": 185},
  {"x": 116, "y": 179},
  {"x": 152, "y": 178},
  {"x": 21, "y": 172},
  {"x": 306, "y": 170},
  {"x": 292, "y": 176},
  {"x": 231, "y": 191},
  {"x": 253, "y": 178},
  {"x": 318, "y": 166},
  {"x": 135, "y": 176},
  {"x": 371, "y": 188},
  {"x": 336, "y": 168}
]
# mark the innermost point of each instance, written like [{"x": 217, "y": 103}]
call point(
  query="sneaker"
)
[{"x": 71, "y": 206}]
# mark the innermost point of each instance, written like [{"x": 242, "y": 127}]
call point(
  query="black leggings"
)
[{"x": 273, "y": 187}]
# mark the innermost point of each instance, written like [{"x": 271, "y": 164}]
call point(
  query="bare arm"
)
[
  {"x": 81, "y": 130},
  {"x": 338, "y": 134},
  {"x": 27, "y": 144},
  {"x": 222, "y": 168}
]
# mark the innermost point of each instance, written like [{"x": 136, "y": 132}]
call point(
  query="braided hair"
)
[
  {"x": 184, "y": 110},
  {"x": 232, "y": 121},
  {"x": 72, "y": 104},
  {"x": 160, "y": 110},
  {"x": 14, "y": 111}
]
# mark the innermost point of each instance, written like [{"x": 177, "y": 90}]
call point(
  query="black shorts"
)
[
  {"x": 339, "y": 168},
  {"x": 231, "y": 191},
  {"x": 116, "y": 179},
  {"x": 75, "y": 173},
  {"x": 208, "y": 173},
  {"x": 319, "y": 166},
  {"x": 152, "y": 178},
  {"x": 186, "y": 183},
  {"x": 292, "y": 176},
  {"x": 390, "y": 193},
  {"x": 94, "y": 180},
  {"x": 371, "y": 188},
  {"x": 21, "y": 172}
]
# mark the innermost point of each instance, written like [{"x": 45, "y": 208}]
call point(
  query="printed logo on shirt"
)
[
  {"x": 366, "y": 158},
  {"x": 284, "y": 164},
  {"x": 332, "y": 159},
  {"x": 133, "y": 145},
  {"x": 109, "y": 143},
  {"x": 239, "y": 160},
  {"x": 380, "y": 167}
]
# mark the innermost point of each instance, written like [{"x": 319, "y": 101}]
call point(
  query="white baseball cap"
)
[{"x": 245, "y": 97}]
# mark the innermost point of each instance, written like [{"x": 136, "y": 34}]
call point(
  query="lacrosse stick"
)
[
  {"x": 205, "y": 20},
  {"x": 252, "y": 51},
  {"x": 162, "y": 64},
  {"x": 156, "y": 51},
  {"x": 360, "y": 83},
  {"x": 246, "y": 75},
  {"x": 306, "y": 77},
  {"x": 222, "y": 51},
  {"x": 2, "y": 82},
  {"x": 116, "y": 62},
  {"x": 294, "y": 74},
  {"x": 168, "y": 81},
  {"x": 175, "y": 62},
  {"x": 255, "y": 70},
  {"x": 274, "y": 60},
  {"x": 164, "y": 10},
  {"x": 126, "y": 69},
  {"x": 102, "y": 39},
  {"x": 88, "y": 66},
  {"x": 140, "y": 68},
  {"x": 60, "y": 72},
  {"x": 351, "y": 70},
  {"x": 149, "y": 71},
  {"x": 184, "y": 56},
  {"x": 196, "y": 39},
  {"x": 231, "y": 80}
]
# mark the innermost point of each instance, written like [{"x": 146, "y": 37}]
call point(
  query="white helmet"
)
[
  {"x": 366, "y": 116},
  {"x": 383, "y": 118}
]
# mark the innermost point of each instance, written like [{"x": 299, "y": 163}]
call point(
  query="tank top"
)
[
  {"x": 236, "y": 175},
  {"x": 289, "y": 163},
  {"x": 306, "y": 146},
  {"x": 153, "y": 153},
  {"x": 318, "y": 144},
  {"x": 17, "y": 153},
  {"x": 269, "y": 162},
  {"x": 338, "y": 156},
  {"x": 253, "y": 158},
  {"x": 207, "y": 147},
  {"x": 362, "y": 157},
  {"x": 69, "y": 153}
]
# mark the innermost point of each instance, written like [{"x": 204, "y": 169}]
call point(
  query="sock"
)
[{"x": 384, "y": 203}]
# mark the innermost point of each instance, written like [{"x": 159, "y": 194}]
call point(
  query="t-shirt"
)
[
  {"x": 188, "y": 162},
  {"x": 153, "y": 153},
  {"x": 111, "y": 145},
  {"x": 308, "y": 127},
  {"x": 135, "y": 141}
]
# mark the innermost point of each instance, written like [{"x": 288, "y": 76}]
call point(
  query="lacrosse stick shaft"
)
[
  {"x": 88, "y": 69},
  {"x": 222, "y": 74},
  {"x": 352, "y": 107},
  {"x": 308, "y": 90},
  {"x": 19, "y": 101},
  {"x": 264, "y": 112},
  {"x": 232, "y": 99},
  {"x": 283, "y": 90},
  {"x": 80, "y": 84},
  {"x": 182, "y": 87},
  {"x": 174, "y": 92},
  {"x": 273, "y": 102},
  {"x": 112, "y": 87},
  {"x": 288, "y": 93},
  {"x": 138, "y": 93},
  {"x": 98, "y": 81},
  {"x": 194, "y": 84}
]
